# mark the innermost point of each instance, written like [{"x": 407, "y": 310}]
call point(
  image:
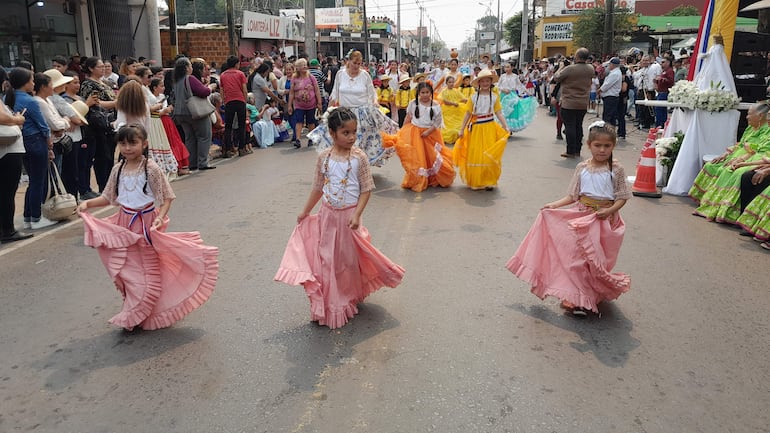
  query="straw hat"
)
[
  {"x": 418, "y": 75},
  {"x": 404, "y": 79},
  {"x": 384, "y": 78},
  {"x": 486, "y": 73},
  {"x": 81, "y": 109},
  {"x": 57, "y": 79}
]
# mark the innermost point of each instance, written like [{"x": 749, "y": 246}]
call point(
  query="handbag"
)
[
  {"x": 197, "y": 106},
  {"x": 9, "y": 134},
  {"x": 64, "y": 145},
  {"x": 59, "y": 204}
]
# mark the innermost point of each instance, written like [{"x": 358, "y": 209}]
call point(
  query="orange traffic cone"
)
[{"x": 644, "y": 185}]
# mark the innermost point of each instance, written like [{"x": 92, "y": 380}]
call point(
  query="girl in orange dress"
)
[{"x": 420, "y": 146}]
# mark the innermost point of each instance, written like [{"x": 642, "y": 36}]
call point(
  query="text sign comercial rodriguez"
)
[{"x": 554, "y": 32}]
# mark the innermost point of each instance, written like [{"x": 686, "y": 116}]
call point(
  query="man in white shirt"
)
[
  {"x": 610, "y": 92},
  {"x": 645, "y": 85}
]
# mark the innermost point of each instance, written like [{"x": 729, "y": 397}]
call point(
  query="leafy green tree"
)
[
  {"x": 512, "y": 30},
  {"x": 588, "y": 29},
  {"x": 683, "y": 11}
]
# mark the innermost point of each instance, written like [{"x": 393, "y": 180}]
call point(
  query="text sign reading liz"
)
[{"x": 574, "y": 7}]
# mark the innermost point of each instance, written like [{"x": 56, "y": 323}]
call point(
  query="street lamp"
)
[{"x": 29, "y": 27}]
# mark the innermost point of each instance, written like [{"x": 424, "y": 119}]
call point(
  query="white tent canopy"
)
[{"x": 513, "y": 55}]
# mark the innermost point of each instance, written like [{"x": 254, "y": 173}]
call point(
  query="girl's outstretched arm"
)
[
  {"x": 162, "y": 212},
  {"x": 315, "y": 195},
  {"x": 355, "y": 220},
  {"x": 94, "y": 202},
  {"x": 564, "y": 201}
]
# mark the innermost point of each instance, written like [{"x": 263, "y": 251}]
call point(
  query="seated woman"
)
[
  {"x": 721, "y": 201},
  {"x": 756, "y": 133},
  {"x": 755, "y": 202}
]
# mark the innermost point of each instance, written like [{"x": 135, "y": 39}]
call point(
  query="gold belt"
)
[{"x": 594, "y": 203}]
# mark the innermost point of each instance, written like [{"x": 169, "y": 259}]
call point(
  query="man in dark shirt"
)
[
  {"x": 575, "y": 85},
  {"x": 314, "y": 67},
  {"x": 663, "y": 83}
]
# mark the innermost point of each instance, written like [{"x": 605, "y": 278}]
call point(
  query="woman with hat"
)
[
  {"x": 353, "y": 89},
  {"x": 66, "y": 156},
  {"x": 81, "y": 177},
  {"x": 478, "y": 152}
]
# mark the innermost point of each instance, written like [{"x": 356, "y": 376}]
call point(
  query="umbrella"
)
[{"x": 763, "y": 4}]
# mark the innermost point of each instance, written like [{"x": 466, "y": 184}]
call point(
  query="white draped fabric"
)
[
  {"x": 707, "y": 134},
  {"x": 679, "y": 120}
]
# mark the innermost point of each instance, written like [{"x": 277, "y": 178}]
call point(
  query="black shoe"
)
[
  {"x": 208, "y": 167},
  {"x": 559, "y": 137},
  {"x": 745, "y": 233},
  {"x": 15, "y": 236},
  {"x": 297, "y": 144}
]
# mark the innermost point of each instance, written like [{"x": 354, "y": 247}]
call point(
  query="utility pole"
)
[
  {"x": 230, "y": 28},
  {"x": 419, "y": 49},
  {"x": 524, "y": 34},
  {"x": 172, "y": 34},
  {"x": 608, "y": 23},
  {"x": 366, "y": 33},
  {"x": 398, "y": 31},
  {"x": 310, "y": 48},
  {"x": 498, "y": 34}
]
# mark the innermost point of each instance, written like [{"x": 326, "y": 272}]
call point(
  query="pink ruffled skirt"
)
[
  {"x": 337, "y": 266},
  {"x": 161, "y": 282},
  {"x": 569, "y": 254}
]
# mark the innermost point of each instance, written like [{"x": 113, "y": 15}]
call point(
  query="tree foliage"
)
[
  {"x": 512, "y": 30},
  {"x": 683, "y": 11},
  {"x": 487, "y": 23},
  {"x": 588, "y": 29}
]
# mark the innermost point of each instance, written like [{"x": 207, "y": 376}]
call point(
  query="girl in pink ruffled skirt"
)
[
  {"x": 330, "y": 253},
  {"x": 161, "y": 276},
  {"x": 569, "y": 253}
]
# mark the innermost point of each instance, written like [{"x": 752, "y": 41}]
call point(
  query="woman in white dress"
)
[{"x": 353, "y": 89}]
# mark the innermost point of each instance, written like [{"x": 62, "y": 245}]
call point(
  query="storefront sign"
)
[
  {"x": 574, "y": 7},
  {"x": 261, "y": 26},
  {"x": 323, "y": 16},
  {"x": 554, "y": 32}
]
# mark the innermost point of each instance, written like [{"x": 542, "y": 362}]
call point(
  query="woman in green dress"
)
[
  {"x": 756, "y": 133},
  {"x": 721, "y": 201},
  {"x": 755, "y": 219}
]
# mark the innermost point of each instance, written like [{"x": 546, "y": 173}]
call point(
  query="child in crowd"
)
[
  {"x": 161, "y": 276},
  {"x": 330, "y": 253},
  {"x": 465, "y": 87},
  {"x": 403, "y": 97},
  {"x": 453, "y": 105},
  {"x": 273, "y": 114},
  {"x": 420, "y": 147},
  {"x": 478, "y": 152},
  {"x": 570, "y": 253},
  {"x": 592, "y": 94},
  {"x": 218, "y": 125},
  {"x": 181, "y": 154},
  {"x": 385, "y": 94}
]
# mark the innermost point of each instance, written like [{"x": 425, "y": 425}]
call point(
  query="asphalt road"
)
[{"x": 460, "y": 346}]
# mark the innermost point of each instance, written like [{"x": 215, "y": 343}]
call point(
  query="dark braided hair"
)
[
  {"x": 130, "y": 133},
  {"x": 339, "y": 117},
  {"x": 419, "y": 87}
]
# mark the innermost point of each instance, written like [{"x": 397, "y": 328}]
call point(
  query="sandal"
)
[{"x": 765, "y": 245}]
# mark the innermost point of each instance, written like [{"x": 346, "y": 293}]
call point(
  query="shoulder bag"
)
[
  {"x": 9, "y": 134},
  {"x": 198, "y": 107},
  {"x": 59, "y": 205}
]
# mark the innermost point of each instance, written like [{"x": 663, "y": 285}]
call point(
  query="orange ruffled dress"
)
[
  {"x": 161, "y": 276},
  {"x": 426, "y": 161},
  {"x": 337, "y": 266}
]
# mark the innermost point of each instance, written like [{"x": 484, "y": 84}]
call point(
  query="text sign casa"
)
[
  {"x": 555, "y": 32},
  {"x": 574, "y": 7}
]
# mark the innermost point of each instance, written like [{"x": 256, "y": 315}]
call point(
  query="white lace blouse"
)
[
  {"x": 355, "y": 91},
  {"x": 424, "y": 121},
  {"x": 342, "y": 180}
]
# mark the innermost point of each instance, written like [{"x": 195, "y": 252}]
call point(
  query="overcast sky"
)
[{"x": 453, "y": 19}]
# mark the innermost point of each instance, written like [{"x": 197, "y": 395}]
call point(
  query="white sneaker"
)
[
  {"x": 27, "y": 225},
  {"x": 43, "y": 223}
]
